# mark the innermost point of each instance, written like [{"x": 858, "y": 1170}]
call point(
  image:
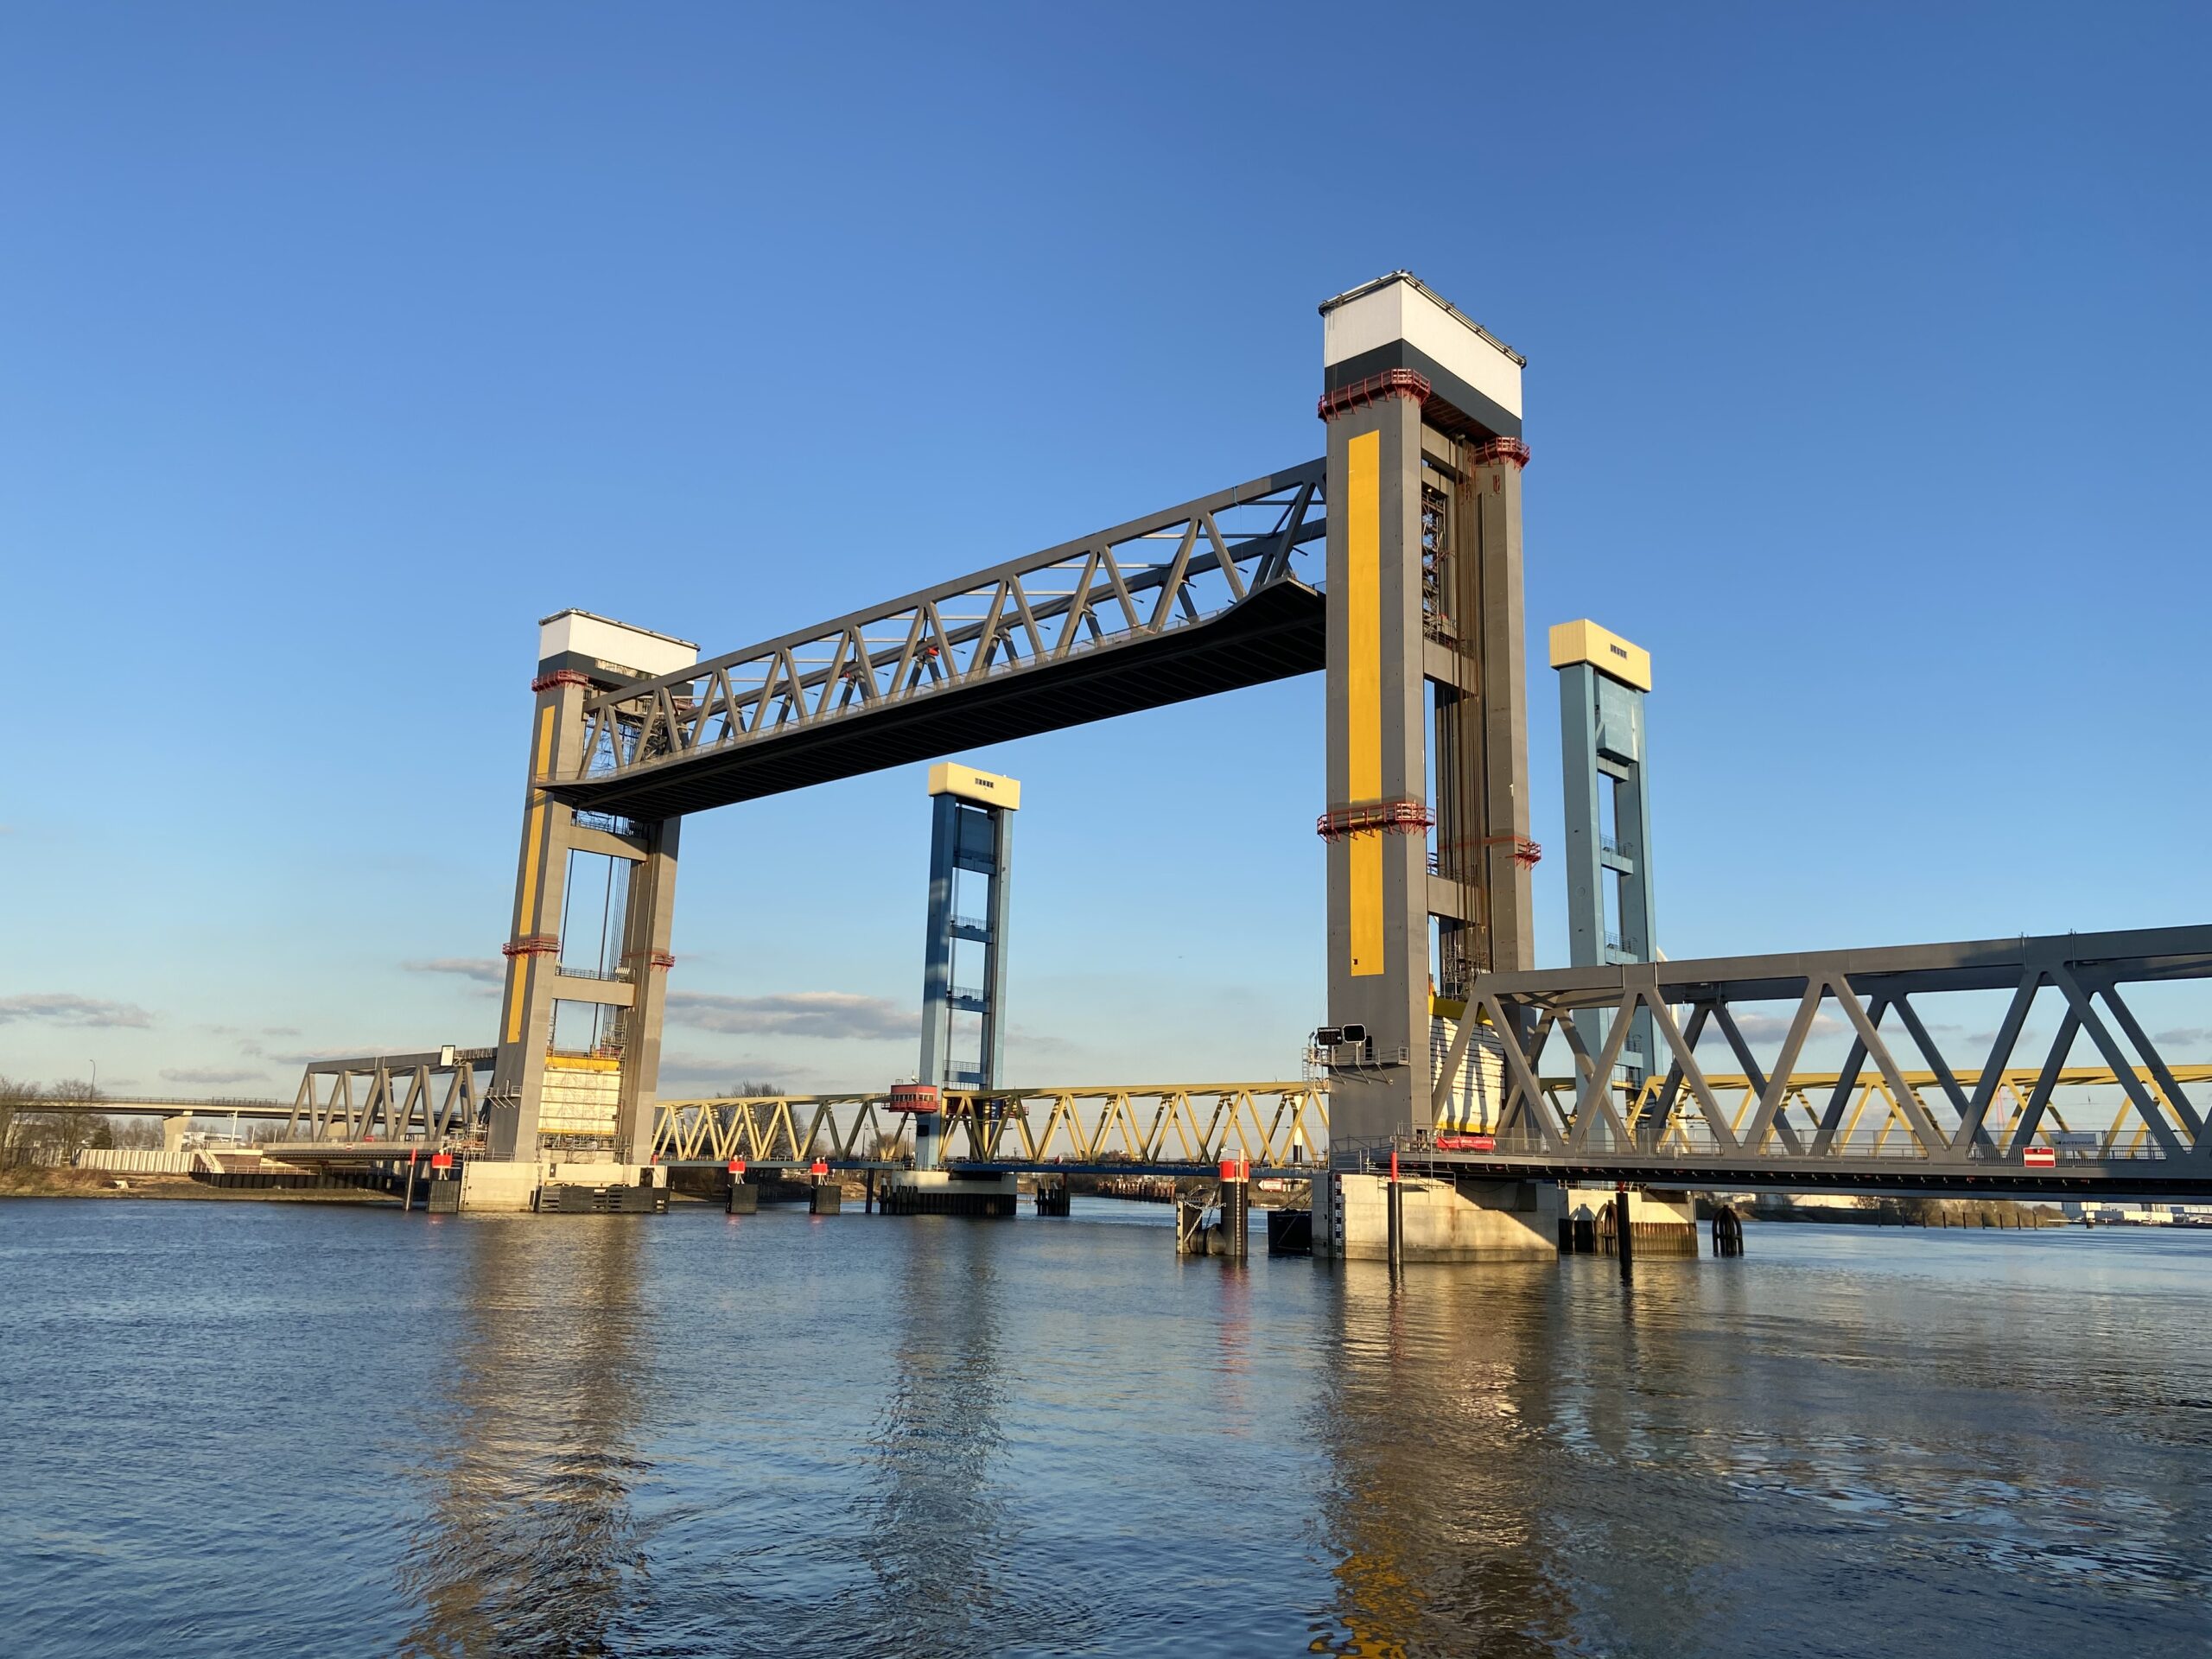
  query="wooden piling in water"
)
[{"x": 1394, "y": 1209}]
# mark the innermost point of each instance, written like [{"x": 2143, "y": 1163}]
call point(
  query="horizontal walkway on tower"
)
[{"x": 1207, "y": 596}]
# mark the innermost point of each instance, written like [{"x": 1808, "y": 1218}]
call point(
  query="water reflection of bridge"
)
[
  {"x": 629, "y": 1450},
  {"x": 871, "y": 1451},
  {"x": 529, "y": 1541}
]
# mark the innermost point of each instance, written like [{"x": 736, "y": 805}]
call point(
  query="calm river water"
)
[{"x": 233, "y": 1428}]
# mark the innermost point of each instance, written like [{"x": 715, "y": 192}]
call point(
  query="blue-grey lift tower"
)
[
  {"x": 1602, "y": 682},
  {"x": 971, "y": 864}
]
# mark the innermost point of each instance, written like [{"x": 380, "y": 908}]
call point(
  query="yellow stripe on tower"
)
[
  {"x": 532, "y": 836},
  {"x": 1363, "y": 690},
  {"x": 514, "y": 998}
]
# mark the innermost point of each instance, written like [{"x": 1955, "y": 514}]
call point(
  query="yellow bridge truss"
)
[
  {"x": 1282, "y": 1124},
  {"x": 1270, "y": 1123}
]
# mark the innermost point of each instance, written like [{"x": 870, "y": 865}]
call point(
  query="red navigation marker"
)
[
  {"x": 737, "y": 1166},
  {"x": 442, "y": 1160},
  {"x": 2040, "y": 1157},
  {"x": 819, "y": 1170}
]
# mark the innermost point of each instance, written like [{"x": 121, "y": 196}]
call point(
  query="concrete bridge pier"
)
[
  {"x": 1660, "y": 1224},
  {"x": 488, "y": 1183},
  {"x": 938, "y": 1193},
  {"x": 1439, "y": 1219}
]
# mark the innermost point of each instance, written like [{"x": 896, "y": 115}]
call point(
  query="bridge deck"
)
[
  {"x": 2072, "y": 1177},
  {"x": 1206, "y": 596},
  {"x": 1275, "y": 633}
]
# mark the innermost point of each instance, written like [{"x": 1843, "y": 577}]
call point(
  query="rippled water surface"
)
[{"x": 233, "y": 1428}]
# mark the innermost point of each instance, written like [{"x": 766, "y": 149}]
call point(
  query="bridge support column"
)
[
  {"x": 1424, "y": 582},
  {"x": 1602, "y": 683},
  {"x": 1377, "y": 814},
  {"x": 964, "y": 953},
  {"x": 650, "y": 919},
  {"x": 174, "y": 1129},
  {"x": 587, "y": 960}
]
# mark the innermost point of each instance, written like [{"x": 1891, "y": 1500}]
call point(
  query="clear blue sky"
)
[{"x": 1866, "y": 387}]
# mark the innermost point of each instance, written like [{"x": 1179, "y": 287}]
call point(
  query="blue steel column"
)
[
  {"x": 995, "y": 952},
  {"x": 971, "y": 829},
  {"x": 1578, "y": 730},
  {"x": 1602, "y": 682},
  {"x": 937, "y": 973}
]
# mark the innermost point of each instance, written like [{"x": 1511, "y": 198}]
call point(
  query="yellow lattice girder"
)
[
  {"x": 1199, "y": 1123},
  {"x": 1195, "y": 1123}
]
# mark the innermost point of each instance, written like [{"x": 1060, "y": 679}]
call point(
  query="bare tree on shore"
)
[
  {"x": 54, "y": 1124},
  {"x": 13, "y": 1095},
  {"x": 142, "y": 1134}
]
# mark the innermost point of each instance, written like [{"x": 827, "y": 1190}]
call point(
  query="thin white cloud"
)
[
  {"x": 211, "y": 1074},
  {"x": 797, "y": 1013},
  {"x": 364, "y": 1050},
  {"x": 67, "y": 1008},
  {"x": 1768, "y": 1028},
  {"x": 695, "y": 1073},
  {"x": 484, "y": 970}
]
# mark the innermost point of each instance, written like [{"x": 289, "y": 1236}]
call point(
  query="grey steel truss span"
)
[
  {"x": 1204, "y": 597},
  {"x": 1934, "y": 1131},
  {"x": 434, "y": 1096}
]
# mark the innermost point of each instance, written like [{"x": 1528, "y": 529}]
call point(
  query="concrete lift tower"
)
[
  {"x": 971, "y": 834},
  {"x": 1603, "y": 680},
  {"x": 580, "y": 1024},
  {"x": 1424, "y": 626}
]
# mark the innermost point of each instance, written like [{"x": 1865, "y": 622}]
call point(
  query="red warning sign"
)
[{"x": 2040, "y": 1157}]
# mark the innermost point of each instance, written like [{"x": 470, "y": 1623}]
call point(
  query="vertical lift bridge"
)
[{"x": 1418, "y": 504}]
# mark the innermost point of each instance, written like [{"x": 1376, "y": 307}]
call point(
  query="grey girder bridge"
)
[
  {"x": 1203, "y": 597},
  {"x": 1906, "y": 1111},
  {"x": 1900, "y": 1114}
]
